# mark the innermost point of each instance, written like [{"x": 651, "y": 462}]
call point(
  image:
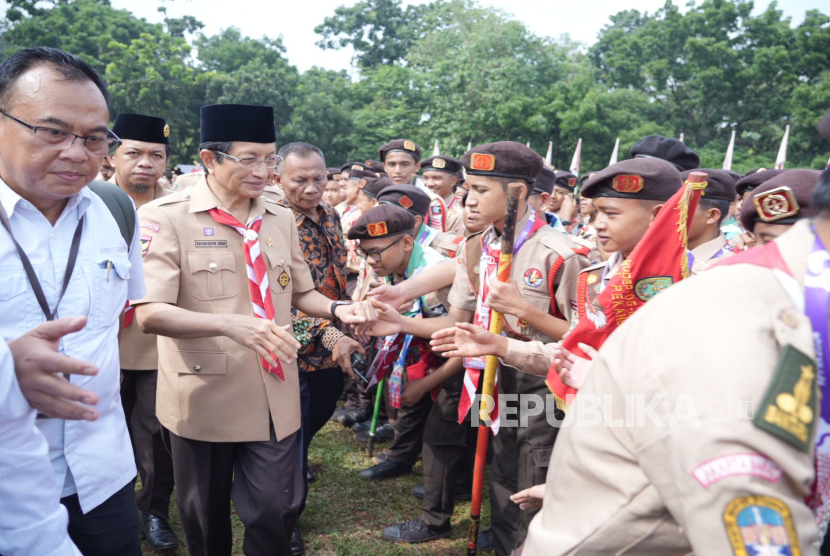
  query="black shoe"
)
[
  {"x": 310, "y": 476},
  {"x": 338, "y": 413},
  {"x": 351, "y": 417},
  {"x": 458, "y": 493},
  {"x": 364, "y": 426},
  {"x": 414, "y": 531},
  {"x": 385, "y": 470},
  {"x": 485, "y": 541},
  {"x": 157, "y": 532},
  {"x": 380, "y": 458},
  {"x": 297, "y": 544},
  {"x": 382, "y": 434}
]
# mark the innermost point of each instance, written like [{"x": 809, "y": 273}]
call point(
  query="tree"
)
[{"x": 380, "y": 31}]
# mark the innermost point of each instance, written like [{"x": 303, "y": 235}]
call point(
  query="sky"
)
[{"x": 296, "y": 21}]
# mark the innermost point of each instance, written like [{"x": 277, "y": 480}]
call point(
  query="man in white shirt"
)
[
  {"x": 68, "y": 258},
  {"x": 32, "y": 521}
]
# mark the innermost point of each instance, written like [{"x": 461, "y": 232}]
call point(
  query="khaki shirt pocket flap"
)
[
  {"x": 280, "y": 257},
  {"x": 211, "y": 262},
  {"x": 202, "y": 362}
]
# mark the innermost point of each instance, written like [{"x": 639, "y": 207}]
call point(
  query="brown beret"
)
[
  {"x": 332, "y": 174},
  {"x": 754, "y": 178},
  {"x": 373, "y": 186},
  {"x": 347, "y": 167},
  {"x": 587, "y": 176},
  {"x": 360, "y": 172},
  {"x": 382, "y": 221},
  {"x": 719, "y": 184},
  {"x": 503, "y": 159},
  {"x": 647, "y": 179},
  {"x": 666, "y": 148},
  {"x": 545, "y": 181},
  {"x": 784, "y": 199},
  {"x": 401, "y": 145},
  {"x": 441, "y": 163},
  {"x": 565, "y": 180},
  {"x": 406, "y": 196},
  {"x": 376, "y": 167}
]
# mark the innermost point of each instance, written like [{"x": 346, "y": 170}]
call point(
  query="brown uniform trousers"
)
[
  {"x": 139, "y": 368},
  {"x": 449, "y": 450},
  {"x": 545, "y": 270},
  {"x": 232, "y": 427},
  {"x": 696, "y": 475}
]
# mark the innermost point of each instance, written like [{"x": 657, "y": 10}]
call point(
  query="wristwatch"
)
[{"x": 334, "y": 307}]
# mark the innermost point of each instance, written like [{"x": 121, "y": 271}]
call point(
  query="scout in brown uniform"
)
[
  {"x": 706, "y": 241},
  {"x": 441, "y": 175},
  {"x": 726, "y": 459},
  {"x": 401, "y": 159},
  {"x": 228, "y": 392},
  {"x": 139, "y": 163},
  {"x": 392, "y": 227},
  {"x": 752, "y": 179},
  {"x": 779, "y": 203},
  {"x": 562, "y": 202},
  {"x": 544, "y": 269}
]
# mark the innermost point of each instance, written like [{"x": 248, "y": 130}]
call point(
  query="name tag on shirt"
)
[{"x": 211, "y": 243}]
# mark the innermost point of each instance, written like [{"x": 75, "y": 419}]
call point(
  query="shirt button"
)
[
  {"x": 70, "y": 448},
  {"x": 789, "y": 319},
  {"x": 197, "y": 368},
  {"x": 213, "y": 266}
]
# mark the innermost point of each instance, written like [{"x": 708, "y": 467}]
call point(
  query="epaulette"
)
[
  {"x": 175, "y": 197},
  {"x": 558, "y": 242}
]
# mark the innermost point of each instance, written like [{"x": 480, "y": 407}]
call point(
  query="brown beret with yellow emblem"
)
[
  {"x": 406, "y": 196},
  {"x": 382, "y": 221},
  {"x": 503, "y": 159},
  {"x": 400, "y": 145},
  {"x": 441, "y": 163},
  {"x": 784, "y": 199},
  {"x": 373, "y": 186},
  {"x": 647, "y": 179}
]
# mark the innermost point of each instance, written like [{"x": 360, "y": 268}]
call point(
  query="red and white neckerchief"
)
[
  {"x": 488, "y": 269},
  {"x": 258, "y": 285}
]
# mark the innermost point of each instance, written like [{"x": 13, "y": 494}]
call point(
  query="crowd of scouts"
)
[{"x": 282, "y": 294}]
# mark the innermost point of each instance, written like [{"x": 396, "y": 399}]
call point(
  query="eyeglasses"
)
[
  {"x": 376, "y": 254},
  {"x": 60, "y": 139},
  {"x": 253, "y": 163}
]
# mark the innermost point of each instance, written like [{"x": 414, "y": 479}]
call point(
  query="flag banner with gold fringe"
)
[{"x": 659, "y": 260}]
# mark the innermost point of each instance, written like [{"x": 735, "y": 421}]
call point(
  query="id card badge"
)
[
  {"x": 395, "y": 380},
  {"x": 475, "y": 363}
]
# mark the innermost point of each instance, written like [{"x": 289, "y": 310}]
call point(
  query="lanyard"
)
[
  {"x": 816, "y": 302},
  {"x": 30, "y": 272}
]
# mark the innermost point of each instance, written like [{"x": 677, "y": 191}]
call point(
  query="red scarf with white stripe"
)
[{"x": 258, "y": 285}]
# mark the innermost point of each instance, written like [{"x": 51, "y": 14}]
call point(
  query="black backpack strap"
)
[{"x": 120, "y": 205}]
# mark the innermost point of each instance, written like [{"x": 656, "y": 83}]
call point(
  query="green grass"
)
[{"x": 345, "y": 515}]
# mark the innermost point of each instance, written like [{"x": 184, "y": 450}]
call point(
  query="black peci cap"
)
[{"x": 237, "y": 122}]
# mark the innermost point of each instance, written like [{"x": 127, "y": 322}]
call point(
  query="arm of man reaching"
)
[
  {"x": 468, "y": 340},
  {"x": 433, "y": 279},
  {"x": 260, "y": 335},
  {"x": 390, "y": 321},
  {"x": 414, "y": 390}
]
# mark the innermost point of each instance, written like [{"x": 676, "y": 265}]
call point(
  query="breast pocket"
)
[
  {"x": 212, "y": 275},
  {"x": 14, "y": 299},
  {"x": 107, "y": 280},
  {"x": 279, "y": 276}
]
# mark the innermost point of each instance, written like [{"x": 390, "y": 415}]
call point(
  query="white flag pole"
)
[
  {"x": 727, "y": 161},
  {"x": 781, "y": 159}
]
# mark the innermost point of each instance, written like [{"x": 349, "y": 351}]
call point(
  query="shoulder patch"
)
[
  {"x": 789, "y": 407},
  {"x": 760, "y": 525},
  {"x": 733, "y": 465}
]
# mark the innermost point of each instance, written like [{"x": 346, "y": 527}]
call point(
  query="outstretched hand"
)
[
  {"x": 468, "y": 340},
  {"x": 39, "y": 366},
  {"x": 573, "y": 369},
  {"x": 388, "y": 322}
]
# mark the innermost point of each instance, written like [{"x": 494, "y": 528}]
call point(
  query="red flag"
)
[{"x": 658, "y": 261}]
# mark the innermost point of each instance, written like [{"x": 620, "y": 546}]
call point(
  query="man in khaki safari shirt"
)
[{"x": 228, "y": 391}]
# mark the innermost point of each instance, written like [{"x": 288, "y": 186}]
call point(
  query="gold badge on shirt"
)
[
  {"x": 790, "y": 404},
  {"x": 284, "y": 279}
]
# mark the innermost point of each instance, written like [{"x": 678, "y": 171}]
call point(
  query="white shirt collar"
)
[{"x": 10, "y": 199}]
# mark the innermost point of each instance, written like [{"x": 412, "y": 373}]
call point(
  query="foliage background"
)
[{"x": 458, "y": 72}]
